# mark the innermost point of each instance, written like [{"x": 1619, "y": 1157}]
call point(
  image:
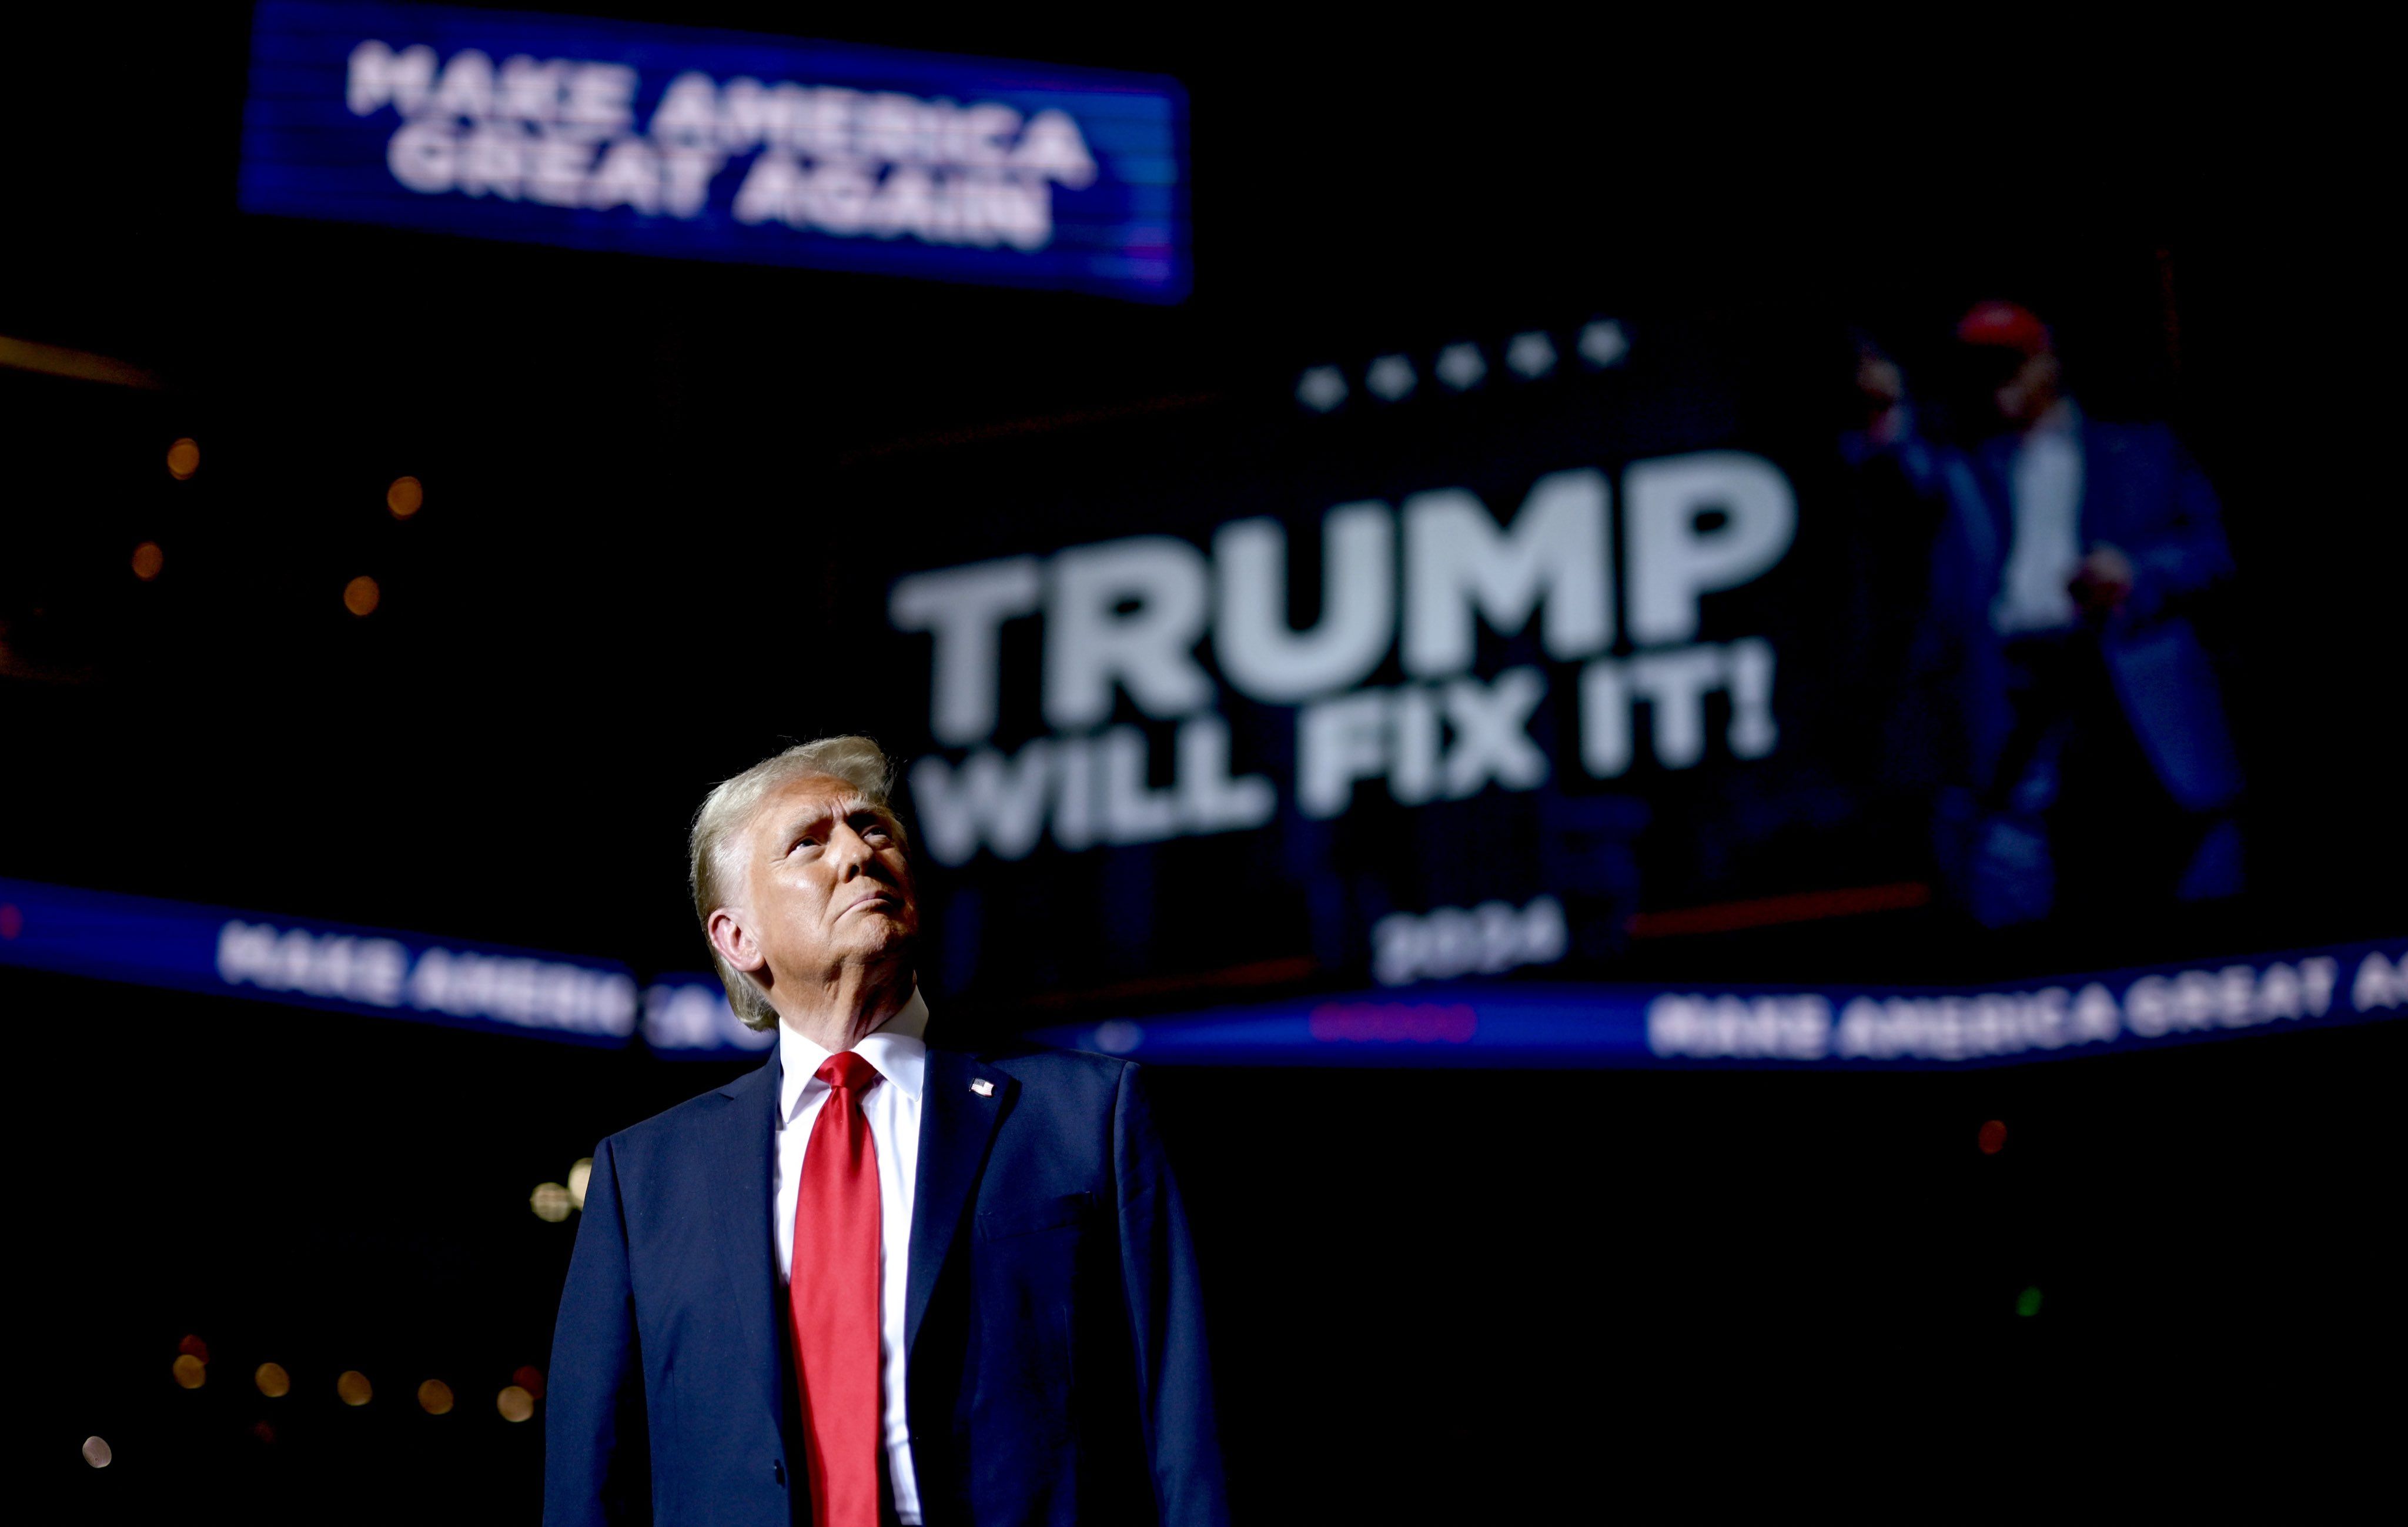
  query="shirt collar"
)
[
  {"x": 896, "y": 1047},
  {"x": 2062, "y": 418}
]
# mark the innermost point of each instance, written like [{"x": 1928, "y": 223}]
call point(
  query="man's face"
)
[
  {"x": 2028, "y": 392},
  {"x": 826, "y": 884},
  {"x": 2003, "y": 388}
]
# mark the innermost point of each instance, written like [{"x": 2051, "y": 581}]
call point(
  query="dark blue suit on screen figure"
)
[
  {"x": 1057, "y": 1365},
  {"x": 2140, "y": 492},
  {"x": 2143, "y": 494}
]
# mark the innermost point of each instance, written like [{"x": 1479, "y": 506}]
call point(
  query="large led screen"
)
[
  {"x": 1498, "y": 656},
  {"x": 660, "y": 140}
]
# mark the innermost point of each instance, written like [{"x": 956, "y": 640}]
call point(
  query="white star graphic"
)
[
  {"x": 1533, "y": 354},
  {"x": 1459, "y": 366},
  {"x": 1390, "y": 376},
  {"x": 1321, "y": 388},
  {"x": 1602, "y": 343}
]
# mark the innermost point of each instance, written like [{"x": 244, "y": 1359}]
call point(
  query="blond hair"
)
[{"x": 728, "y": 809}]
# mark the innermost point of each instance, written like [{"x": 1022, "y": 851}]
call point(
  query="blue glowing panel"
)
[
  {"x": 1480, "y": 1024},
  {"x": 310, "y": 962},
  {"x": 686, "y": 1015},
  {"x": 720, "y": 146}
]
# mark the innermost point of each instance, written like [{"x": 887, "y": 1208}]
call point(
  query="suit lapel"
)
[
  {"x": 1994, "y": 463},
  {"x": 2101, "y": 515},
  {"x": 744, "y": 1133},
  {"x": 956, "y": 1126}
]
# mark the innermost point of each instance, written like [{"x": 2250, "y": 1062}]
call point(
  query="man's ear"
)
[{"x": 734, "y": 941}]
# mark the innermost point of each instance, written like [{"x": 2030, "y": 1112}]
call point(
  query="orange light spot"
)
[
  {"x": 353, "y": 1388},
  {"x": 361, "y": 596},
  {"x": 407, "y": 497},
  {"x": 183, "y": 459},
  {"x": 1992, "y": 1138},
  {"x": 191, "y": 1371},
  {"x": 435, "y": 1397},
  {"x": 148, "y": 560},
  {"x": 515, "y": 1404},
  {"x": 273, "y": 1382}
]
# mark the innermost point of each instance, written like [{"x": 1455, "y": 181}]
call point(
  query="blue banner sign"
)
[
  {"x": 310, "y": 963},
  {"x": 315, "y": 964},
  {"x": 1533, "y": 1025},
  {"x": 650, "y": 139},
  {"x": 687, "y": 1015}
]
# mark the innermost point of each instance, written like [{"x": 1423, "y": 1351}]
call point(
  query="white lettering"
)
[
  {"x": 2378, "y": 984},
  {"x": 1338, "y": 742},
  {"x": 1672, "y": 561},
  {"x": 964, "y": 607},
  {"x": 1259, "y": 653},
  {"x": 1605, "y": 720},
  {"x": 1133, "y": 814},
  {"x": 1210, "y": 798},
  {"x": 1450, "y": 941},
  {"x": 379, "y": 76},
  {"x": 1127, "y": 612},
  {"x": 1053, "y": 147},
  {"x": 1674, "y": 684},
  {"x": 424, "y": 156},
  {"x": 988, "y": 802},
  {"x": 1555, "y": 554},
  {"x": 1492, "y": 743}
]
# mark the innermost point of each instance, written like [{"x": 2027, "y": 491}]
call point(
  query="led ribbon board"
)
[
  {"x": 720, "y": 146},
  {"x": 144, "y": 941},
  {"x": 1480, "y": 1024}
]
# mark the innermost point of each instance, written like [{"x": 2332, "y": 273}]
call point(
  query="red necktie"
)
[{"x": 833, "y": 1300}]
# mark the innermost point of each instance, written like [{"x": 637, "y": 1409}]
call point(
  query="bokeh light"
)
[
  {"x": 579, "y": 1175},
  {"x": 435, "y": 1397},
  {"x": 515, "y": 1404},
  {"x": 183, "y": 459},
  {"x": 191, "y": 1372},
  {"x": 551, "y": 1203},
  {"x": 361, "y": 596},
  {"x": 530, "y": 1379},
  {"x": 264, "y": 1431},
  {"x": 353, "y": 1389},
  {"x": 405, "y": 498},
  {"x": 193, "y": 1346},
  {"x": 148, "y": 560},
  {"x": 1992, "y": 1137},
  {"x": 273, "y": 1382},
  {"x": 2028, "y": 1302},
  {"x": 97, "y": 1453}
]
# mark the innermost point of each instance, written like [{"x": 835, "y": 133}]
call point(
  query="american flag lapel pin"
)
[{"x": 983, "y": 1087}]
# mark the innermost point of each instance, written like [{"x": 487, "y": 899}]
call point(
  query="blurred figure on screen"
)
[
  {"x": 2098, "y": 766},
  {"x": 1896, "y": 705}
]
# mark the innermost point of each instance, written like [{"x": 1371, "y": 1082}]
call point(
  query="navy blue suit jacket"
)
[
  {"x": 1057, "y": 1366},
  {"x": 2144, "y": 494}
]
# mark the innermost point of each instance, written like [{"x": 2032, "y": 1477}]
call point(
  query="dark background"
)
[{"x": 1436, "y": 1296}]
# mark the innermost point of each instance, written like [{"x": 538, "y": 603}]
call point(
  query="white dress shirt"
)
[
  {"x": 2046, "y": 486},
  {"x": 893, "y": 1106}
]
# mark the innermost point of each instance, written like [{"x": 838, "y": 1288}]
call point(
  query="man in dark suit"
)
[
  {"x": 2076, "y": 555},
  {"x": 877, "y": 1279}
]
